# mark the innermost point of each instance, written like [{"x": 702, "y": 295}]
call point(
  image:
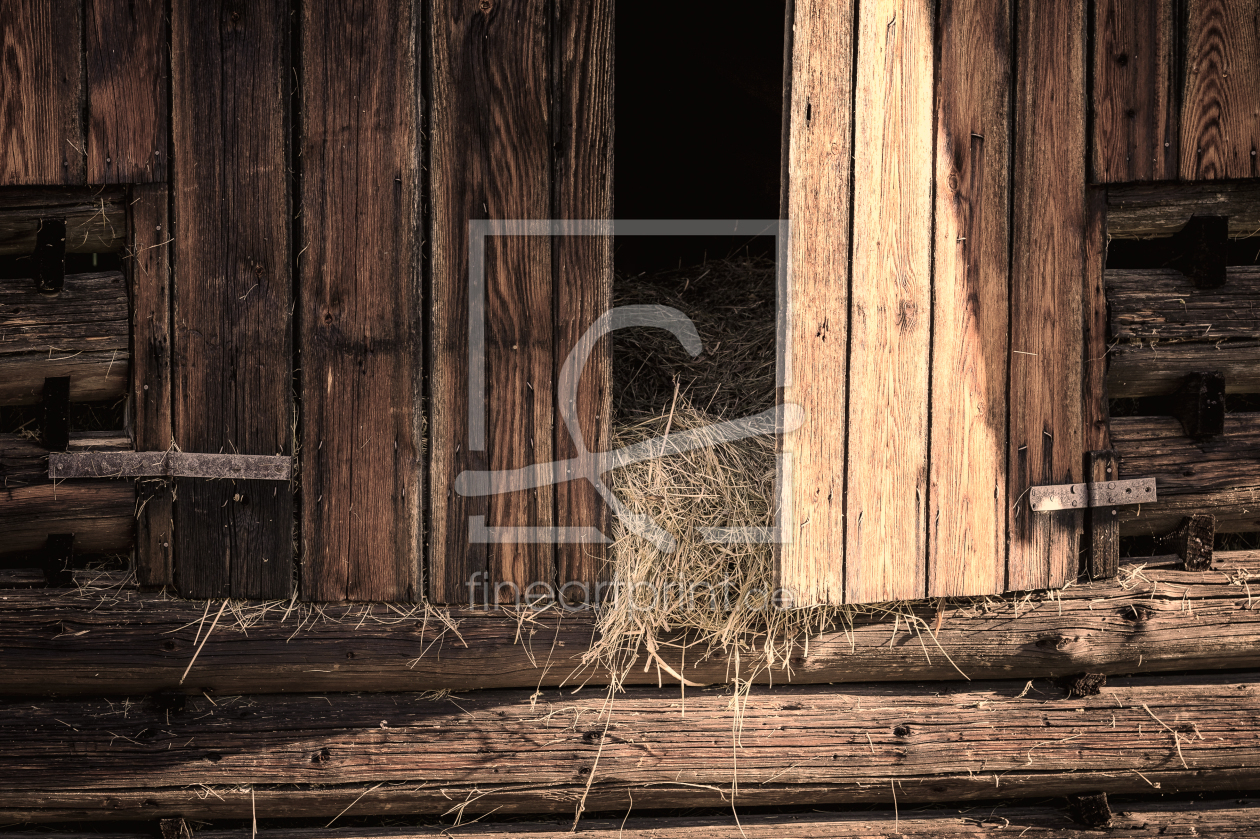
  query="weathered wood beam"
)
[
  {"x": 118, "y": 641},
  {"x": 81, "y": 332},
  {"x": 1144, "y": 370},
  {"x": 1162, "y": 304},
  {"x": 101, "y": 514},
  {"x": 822, "y": 745},
  {"x": 1137, "y": 820},
  {"x": 1140, "y": 210},
  {"x": 95, "y": 218}
]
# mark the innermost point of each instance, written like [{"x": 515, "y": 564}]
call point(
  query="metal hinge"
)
[
  {"x": 1045, "y": 499},
  {"x": 171, "y": 464}
]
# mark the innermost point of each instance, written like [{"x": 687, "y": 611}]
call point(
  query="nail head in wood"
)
[
  {"x": 57, "y": 413},
  {"x": 1200, "y": 404},
  {"x": 1201, "y": 247},
  {"x": 50, "y": 256}
]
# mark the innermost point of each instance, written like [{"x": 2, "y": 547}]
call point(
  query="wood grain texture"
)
[
  {"x": 1140, "y": 210},
  {"x": 232, "y": 289},
  {"x": 41, "y": 92},
  {"x": 582, "y": 172},
  {"x": 1146, "y": 370},
  {"x": 127, "y": 63},
  {"x": 1218, "y": 475},
  {"x": 1096, "y": 409},
  {"x": 362, "y": 436},
  {"x": 971, "y": 261},
  {"x": 99, "y": 513},
  {"x": 489, "y": 159},
  {"x": 1162, "y": 304},
  {"x": 81, "y": 333},
  {"x": 149, "y": 279},
  {"x": 1046, "y": 289},
  {"x": 1220, "y": 121},
  {"x": 815, "y": 294},
  {"x": 1103, "y": 522},
  {"x": 1136, "y": 95},
  {"x": 1164, "y": 619},
  {"x": 962, "y": 743},
  {"x": 890, "y": 310},
  {"x": 96, "y": 218}
]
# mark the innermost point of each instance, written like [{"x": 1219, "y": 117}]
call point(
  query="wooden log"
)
[
  {"x": 815, "y": 287},
  {"x": 536, "y": 752},
  {"x": 129, "y": 642},
  {"x": 232, "y": 290},
  {"x": 1220, "y": 120},
  {"x": 1162, "y": 304},
  {"x": 1048, "y": 234},
  {"x": 1146, "y": 370},
  {"x": 1140, "y": 210},
  {"x": 890, "y": 306},
  {"x": 582, "y": 167},
  {"x": 967, "y": 492},
  {"x": 149, "y": 274},
  {"x": 1136, "y": 95},
  {"x": 127, "y": 73},
  {"x": 42, "y": 92},
  {"x": 96, "y": 219},
  {"x": 82, "y": 333},
  {"x": 1217, "y": 475},
  {"x": 361, "y": 336}
]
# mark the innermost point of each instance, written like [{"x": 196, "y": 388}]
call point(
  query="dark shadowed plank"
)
[
  {"x": 41, "y": 92},
  {"x": 967, "y": 493},
  {"x": 1162, "y": 304},
  {"x": 232, "y": 290},
  {"x": 582, "y": 170},
  {"x": 815, "y": 296},
  {"x": 490, "y": 159},
  {"x": 127, "y": 61},
  {"x": 1094, "y": 382},
  {"x": 1046, "y": 289},
  {"x": 96, "y": 218},
  {"x": 1220, "y": 120},
  {"x": 361, "y": 328},
  {"x": 149, "y": 272},
  {"x": 1136, "y": 96},
  {"x": 1151, "y": 370},
  {"x": 890, "y": 310}
]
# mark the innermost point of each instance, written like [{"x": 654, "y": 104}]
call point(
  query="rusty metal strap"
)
[{"x": 169, "y": 465}]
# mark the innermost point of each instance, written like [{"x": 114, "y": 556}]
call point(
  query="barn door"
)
[{"x": 934, "y": 297}]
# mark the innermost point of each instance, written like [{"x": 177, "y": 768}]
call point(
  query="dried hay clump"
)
[{"x": 705, "y": 594}]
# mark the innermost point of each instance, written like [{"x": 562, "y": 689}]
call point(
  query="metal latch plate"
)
[{"x": 1044, "y": 499}]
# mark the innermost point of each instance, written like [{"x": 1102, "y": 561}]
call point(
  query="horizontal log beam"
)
[
  {"x": 1135, "y": 820},
  {"x": 96, "y": 218},
  {"x": 83, "y": 332},
  {"x": 111, "y": 640},
  {"x": 1144, "y": 370},
  {"x": 539, "y": 751},
  {"x": 1163, "y": 304},
  {"x": 1140, "y": 210},
  {"x": 23, "y": 461}
]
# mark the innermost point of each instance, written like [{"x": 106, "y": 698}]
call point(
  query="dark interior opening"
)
[{"x": 699, "y": 98}]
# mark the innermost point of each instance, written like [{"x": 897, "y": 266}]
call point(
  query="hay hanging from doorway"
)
[{"x": 704, "y": 595}]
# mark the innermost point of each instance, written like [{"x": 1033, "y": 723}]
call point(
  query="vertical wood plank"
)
[
  {"x": 1104, "y": 525},
  {"x": 815, "y": 292},
  {"x": 148, "y": 267},
  {"x": 1220, "y": 122},
  {"x": 891, "y": 305},
  {"x": 491, "y": 153},
  {"x": 966, "y": 518},
  {"x": 127, "y": 91},
  {"x": 360, "y": 297},
  {"x": 41, "y": 92},
  {"x": 232, "y": 289},
  {"x": 1135, "y": 92},
  {"x": 1046, "y": 289},
  {"x": 1097, "y": 416},
  {"x": 582, "y": 169}
]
